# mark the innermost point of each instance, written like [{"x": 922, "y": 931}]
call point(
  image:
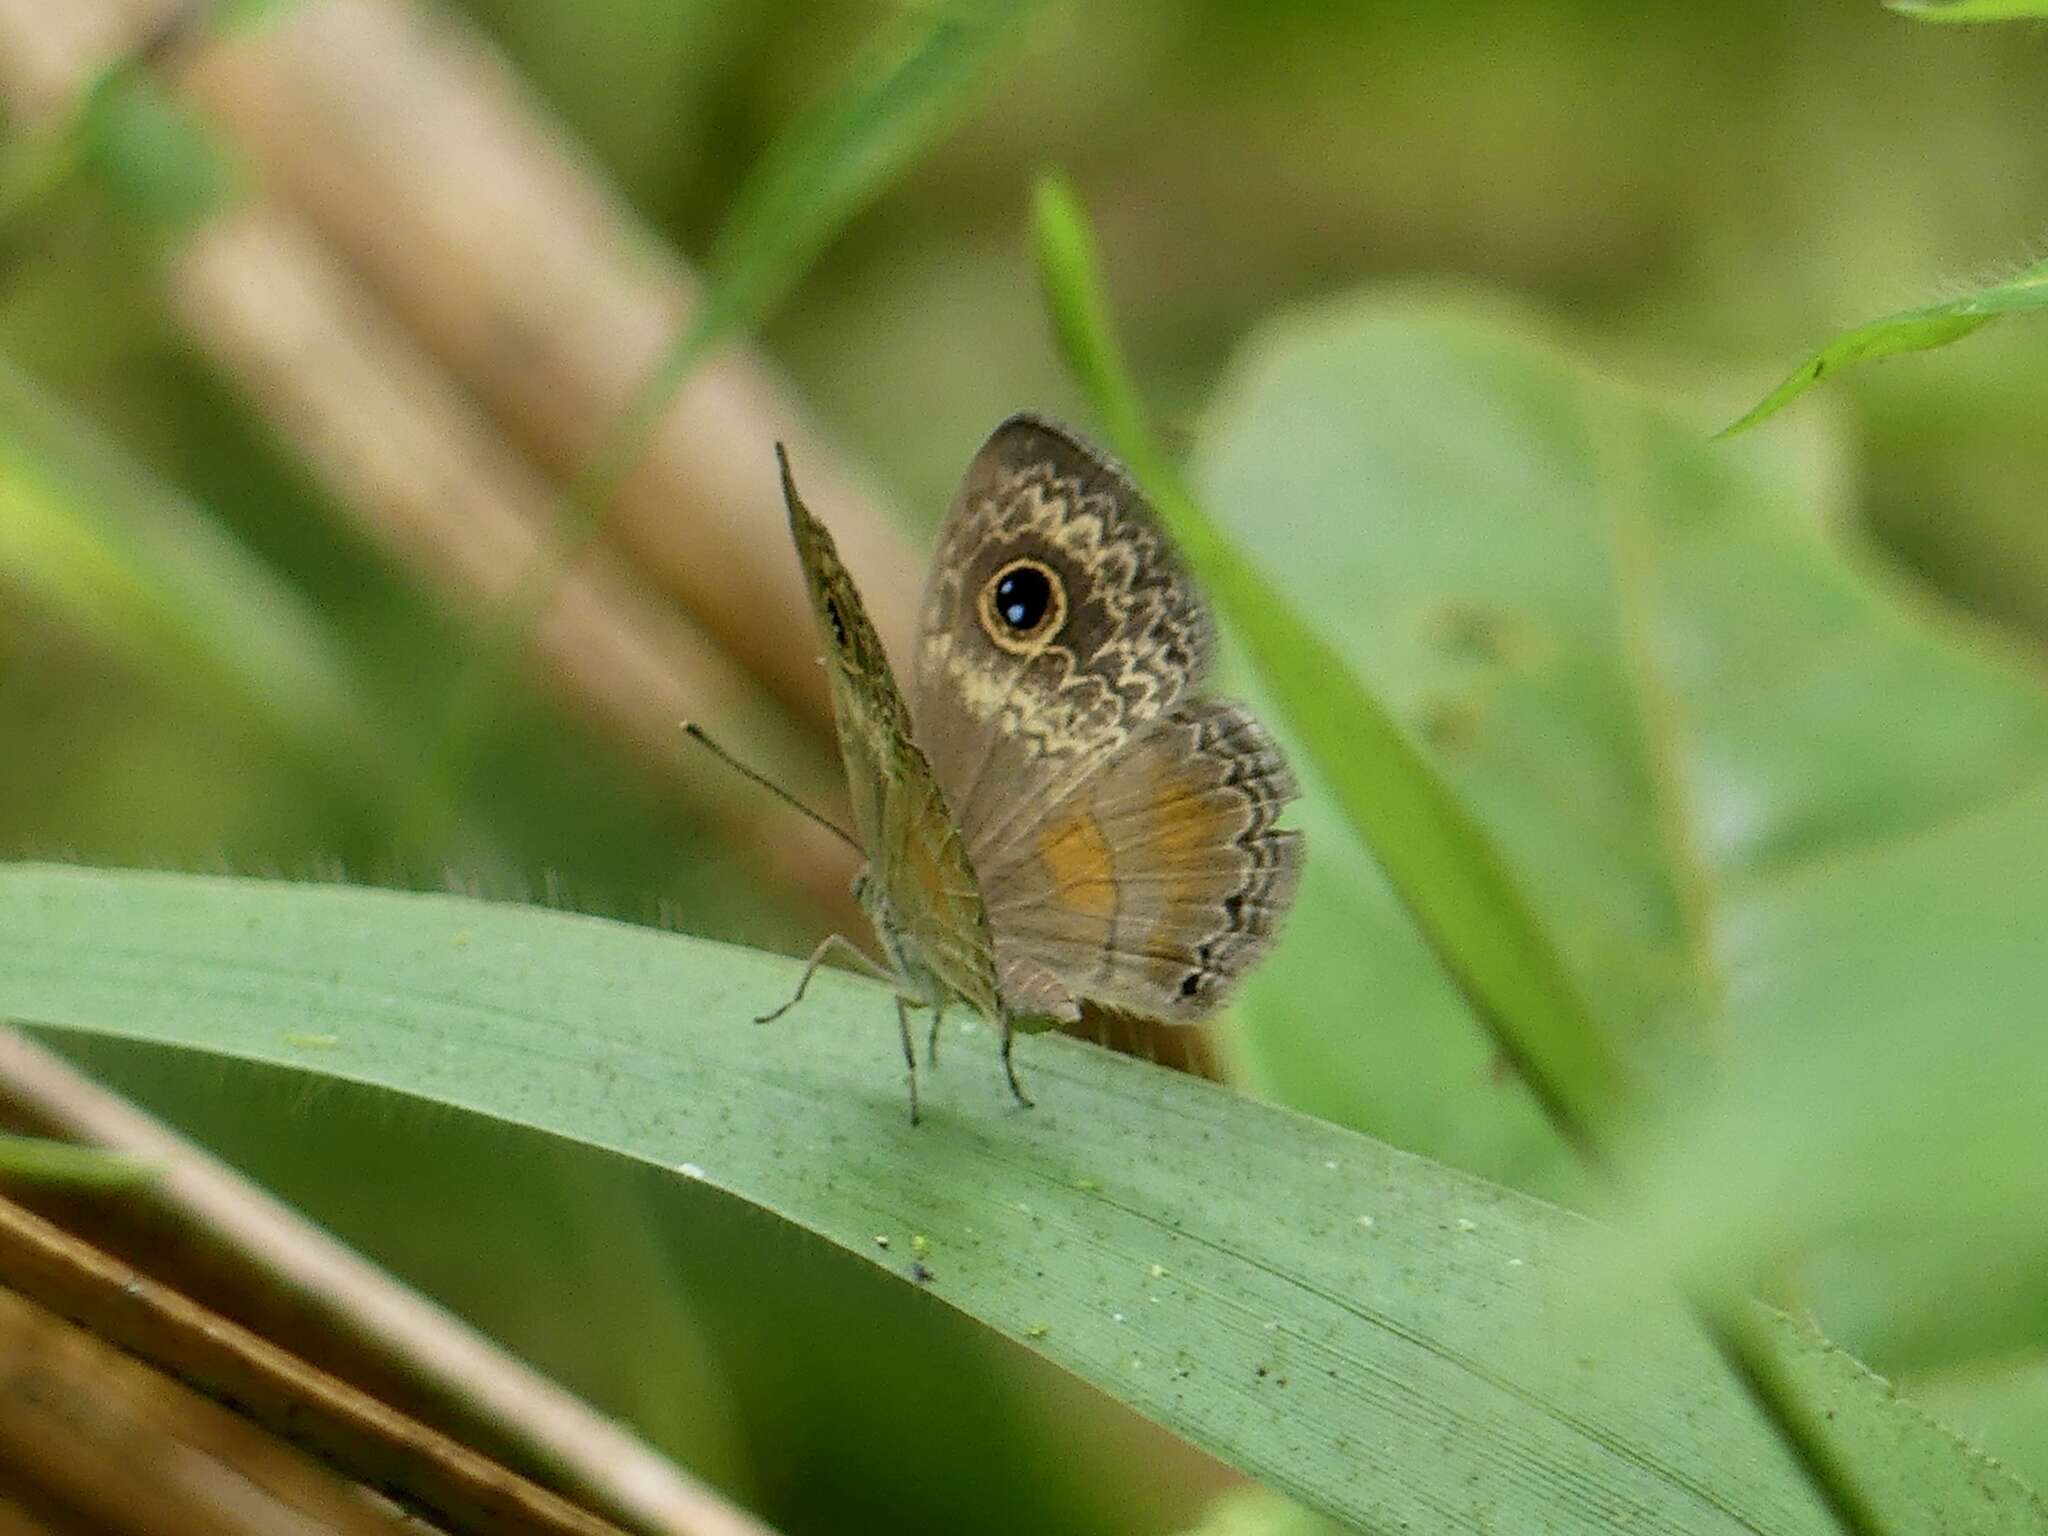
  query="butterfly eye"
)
[{"x": 1023, "y": 604}]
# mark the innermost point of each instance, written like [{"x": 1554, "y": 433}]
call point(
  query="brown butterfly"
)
[{"x": 1053, "y": 816}]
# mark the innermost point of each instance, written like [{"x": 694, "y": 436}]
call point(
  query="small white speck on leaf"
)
[
  {"x": 1367, "y": 1222},
  {"x": 689, "y": 1170},
  {"x": 1467, "y": 1224}
]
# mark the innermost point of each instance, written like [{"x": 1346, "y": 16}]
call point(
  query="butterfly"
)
[{"x": 1053, "y": 815}]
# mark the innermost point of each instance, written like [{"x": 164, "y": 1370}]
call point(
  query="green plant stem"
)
[
  {"x": 1732, "y": 1323},
  {"x": 910, "y": 86},
  {"x": 1446, "y": 871},
  {"x": 41, "y": 1161},
  {"x": 1476, "y": 919}
]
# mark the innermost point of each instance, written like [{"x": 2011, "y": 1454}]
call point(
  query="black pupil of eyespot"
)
[{"x": 1022, "y": 596}]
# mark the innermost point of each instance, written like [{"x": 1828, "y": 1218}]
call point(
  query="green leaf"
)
[
  {"x": 1969, "y": 10},
  {"x": 39, "y": 1160},
  {"x": 1442, "y": 865},
  {"x": 160, "y": 162},
  {"x": 1794, "y": 824},
  {"x": 1911, "y": 330},
  {"x": 153, "y": 580},
  {"x": 916, "y": 79},
  {"x": 1198, "y": 1256},
  {"x": 1256, "y": 1512}
]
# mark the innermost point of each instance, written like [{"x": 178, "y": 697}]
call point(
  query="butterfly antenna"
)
[{"x": 696, "y": 733}]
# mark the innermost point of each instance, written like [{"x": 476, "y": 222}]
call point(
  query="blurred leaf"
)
[
  {"x": 39, "y": 1160},
  {"x": 158, "y": 159},
  {"x": 919, "y": 76},
  {"x": 1198, "y": 1256},
  {"x": 1255, "y": 1512},
  {"x": 2002, "y": 1408},
  {"x": 1969, "y": 10},
  {"x": 159, "y": 584},
  {"x": 1911, "y": 330},
  {"x": 1795, "y": 832},
  {"x": 1442, "y": 865}
]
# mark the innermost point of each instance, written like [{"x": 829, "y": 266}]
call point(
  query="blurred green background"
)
[
  {"x": 1701, "y": 193},
  {"x": 1696, "y": 195}
]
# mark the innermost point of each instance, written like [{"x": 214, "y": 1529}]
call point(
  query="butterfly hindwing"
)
[{"x": 1156, "y": 884}]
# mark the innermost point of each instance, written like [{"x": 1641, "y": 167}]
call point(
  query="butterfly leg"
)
[
  {"x": 909, "y": 1053},
  {"x": 931, "y": 1045},
  {"x": 1010, "y": 1066},
  {"x": 832, "y": 941}
]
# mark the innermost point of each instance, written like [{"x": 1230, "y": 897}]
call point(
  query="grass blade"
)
[
  {"x": 151, "y": 579},
  {"x": 1196, "y": 1255},
  {"x": 39, "y": 1160},
  {"x": 920, "y": 74},
  {"x": 1911, "y": 330},
  {"x": 1970, "y": 10},
  {"x": 1445, "y": 869},
  {"x": 916, "y": 79}
]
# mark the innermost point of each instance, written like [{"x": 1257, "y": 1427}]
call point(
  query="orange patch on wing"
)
[
  {"x": 1183, "y": 826},
  {"x": 1076, "y": 855}
]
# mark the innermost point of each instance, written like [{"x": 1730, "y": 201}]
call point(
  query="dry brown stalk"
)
[
  {"x": 98, "y": 1441},
  {"x": 272, "y": 1250},
  {"x": 421, "y": 155},
  {"x": 392, "y": 429}
]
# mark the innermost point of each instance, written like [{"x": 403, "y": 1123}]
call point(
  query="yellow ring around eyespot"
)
[{"x": 1041, "y": 633}]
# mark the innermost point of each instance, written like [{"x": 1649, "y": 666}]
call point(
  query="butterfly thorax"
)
[{"x": 916, "y": 981}]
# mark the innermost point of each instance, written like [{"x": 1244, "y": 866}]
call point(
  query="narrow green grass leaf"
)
[
  {"x": 1393, "y": 1344},
  {"x": 1912, "y": 330},
  {"x": 917, "y": 78},
  {"x": 154, "y": 581},
  {"x": 39, "y": 1160},
  {"x": 1443, "y": 866},
  {"x": 1970, "y": 10}
]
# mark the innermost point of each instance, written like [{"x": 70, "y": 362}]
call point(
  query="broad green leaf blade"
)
[
  {"x": 1912, "y": 330},
  {"x": 1197, "y": 1256},
  {"x": 1792, "y": 824},
  {"x": 1442, "y": 865},
  {"x": 1969, "y": 10}
]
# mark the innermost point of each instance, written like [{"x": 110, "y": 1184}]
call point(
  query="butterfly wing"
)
[
  {"x": 1159, "y": 881},
  {"x": 1122, "y": 830},
  {"x": 921, "y": 892}
]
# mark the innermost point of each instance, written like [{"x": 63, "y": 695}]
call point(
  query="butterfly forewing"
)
[
  {"x": 927, "y": 891},
  {"x": 1011, "y": 718}
]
